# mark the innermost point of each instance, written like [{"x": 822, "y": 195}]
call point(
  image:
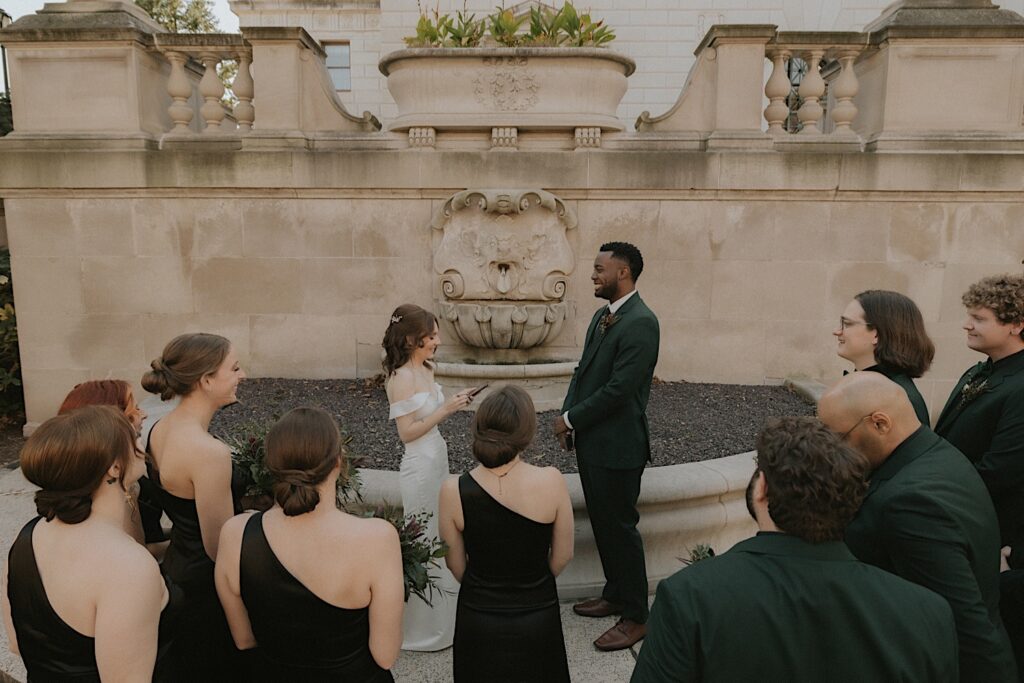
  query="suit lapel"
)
[
  {"x": 953, "y": 404},
  {"x": 595, "y": 337}
]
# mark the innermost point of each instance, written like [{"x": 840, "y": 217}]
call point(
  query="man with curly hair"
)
[
  {"x": 926, "y": 516},
  {"x": 984, "y": 416},
  {"x": 792, "y": 603}
]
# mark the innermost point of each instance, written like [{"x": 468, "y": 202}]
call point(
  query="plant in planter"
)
[{"x": 420, "y": 554}]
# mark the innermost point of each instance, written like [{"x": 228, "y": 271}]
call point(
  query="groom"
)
[{"x": 604, "y": 417}]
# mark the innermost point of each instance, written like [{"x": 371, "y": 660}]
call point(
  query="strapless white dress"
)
[{"x": 424, "y": 468}]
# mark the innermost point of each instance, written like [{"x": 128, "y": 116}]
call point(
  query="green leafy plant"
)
[
  {"x": 464, "y": 31},
  {"x": 420, "y": 553},
  {"x": 581, "y": 31},
  {"x": 12, "y": 399},
  {"x": 504, "y": 27}
]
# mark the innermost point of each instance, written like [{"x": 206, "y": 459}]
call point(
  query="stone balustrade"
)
[{"x": 203, "y": 53}]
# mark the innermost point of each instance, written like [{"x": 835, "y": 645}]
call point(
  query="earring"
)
[
  {"x": 111, "y": 480},
  {"x": 129, "y": 500}
]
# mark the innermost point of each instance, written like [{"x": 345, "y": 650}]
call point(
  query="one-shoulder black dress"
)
[
  {"x": 204, "y": 650},
  {"x": 300, "y": 636},
  {"x": 507, "y": 626},
  {"x": 54, "y": 652}
]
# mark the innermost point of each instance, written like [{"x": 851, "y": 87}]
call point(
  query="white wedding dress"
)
[{"x": 423, "y": 469}]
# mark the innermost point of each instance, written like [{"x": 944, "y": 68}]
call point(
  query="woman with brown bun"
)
[
  {"x": 197, "y": 486},
  {"x": 317, "y": 591},
  {"x": 882, "y": 331},
  {"x": 509, "y": 530},
  {"x": 418, "y": 406},
  {"x": 142, "y": 524},
  {"x": 83, "y": 601}
]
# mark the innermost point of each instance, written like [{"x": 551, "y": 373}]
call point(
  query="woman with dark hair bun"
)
[
  {"x": 82, "y": 600},
  {"x": 196, "y": 484},
  {"x": 509, "y": 530},
  {"x": 418, "y": 406},
  {"x": 883, "y": 331},
  {"x": 297, "y": 559}
]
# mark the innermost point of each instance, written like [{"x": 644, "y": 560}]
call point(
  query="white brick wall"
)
[{"x": 659, "y": 34}]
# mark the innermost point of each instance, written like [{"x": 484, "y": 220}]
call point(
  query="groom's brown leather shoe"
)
[
  {"x": 625, "y": 633},
  {"x": 596, "y": 607}
]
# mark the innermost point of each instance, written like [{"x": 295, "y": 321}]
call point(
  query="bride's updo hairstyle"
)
[
  {"x": 303, "y": 447},
  {"x": 408, "y": 327},
  {"x": 504, "y": 425},
  {"x": 68, "y": 457},
  {"x": 185, "y": 360}
]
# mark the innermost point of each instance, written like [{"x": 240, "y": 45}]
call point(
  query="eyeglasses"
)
[
  {"x": 846, "y": 323},
  {"x": 850, "y": 430}
]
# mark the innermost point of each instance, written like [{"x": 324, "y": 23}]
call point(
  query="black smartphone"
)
[
  {"x": 569, "y": 442},
  {"x": 478, "y": 389}
]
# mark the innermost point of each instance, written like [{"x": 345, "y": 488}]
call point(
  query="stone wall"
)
[{"x": 299, "y": 256}]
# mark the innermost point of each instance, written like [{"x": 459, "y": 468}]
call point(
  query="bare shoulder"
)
[
  {"x": 401, "y": 385},
  {"x": 232, "y": 530},
  {"x": 450, "y": 486},
  {"x": 552, "y": 476},
  {"x": 376, "y": 535},
  {"x": 130, "y": 568}
]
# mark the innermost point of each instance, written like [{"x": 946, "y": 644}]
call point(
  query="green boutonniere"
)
[{"x": 974, "y": 387}]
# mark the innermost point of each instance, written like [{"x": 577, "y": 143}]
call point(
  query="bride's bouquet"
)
[{"x": 420, "y": 553}]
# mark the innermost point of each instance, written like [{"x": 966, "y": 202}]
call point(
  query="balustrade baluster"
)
[
  {"x": 777, "y": 90},
  {"x": 244, "y": 89},
  {"x": 212, "y": 90},
  {"x": 812, "y": 88},
  {"x": 845, "y": 88},
  {"x": 180, "y": 89}
]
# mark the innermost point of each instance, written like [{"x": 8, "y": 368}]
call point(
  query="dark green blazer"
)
[
  {"x": 989, "y": 430},
  {"x": 778, "y": 609},
  {"x": 607, "y": 397},
  {"x": 927, "y": 517}
]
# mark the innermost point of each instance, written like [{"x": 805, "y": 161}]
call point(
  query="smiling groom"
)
[{"x": 604, "y": 417}]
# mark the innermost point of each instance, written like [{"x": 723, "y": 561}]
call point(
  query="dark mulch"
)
[{"x": 689, "y": 422}]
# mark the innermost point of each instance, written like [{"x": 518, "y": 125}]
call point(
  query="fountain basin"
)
[
  {"x": 547, "y": 383},
  {"x": 680, "y": 507}
]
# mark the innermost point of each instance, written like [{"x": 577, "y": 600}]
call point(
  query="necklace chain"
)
[{"x": 505, "y": 473}]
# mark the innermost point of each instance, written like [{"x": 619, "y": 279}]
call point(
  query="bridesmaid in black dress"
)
[
  {"x": 883, "y": 331},
  {"x": 195, "y": 483},
  {"x": 316, "y": 591},
  {"x": 83, "y": 600},
  {"x": 509, "y": 529}
]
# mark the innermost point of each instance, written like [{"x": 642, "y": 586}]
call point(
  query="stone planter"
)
[
  {"x": 522, "y": 88},
  {"x": 680, "y": 507}
]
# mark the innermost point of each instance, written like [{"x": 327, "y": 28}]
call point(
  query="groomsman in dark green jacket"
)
[
  {"x": 984, "y": 416},
  {"x": 926, "y": 516},
  {"x": 792, "y": 603},
  {"x": 604, "y": 417}
]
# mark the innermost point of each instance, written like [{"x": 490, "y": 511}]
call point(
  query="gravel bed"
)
[{"x": 689, "y": 422}]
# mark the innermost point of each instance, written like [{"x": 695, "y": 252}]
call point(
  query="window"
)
[{"x": 339, "y": 65}]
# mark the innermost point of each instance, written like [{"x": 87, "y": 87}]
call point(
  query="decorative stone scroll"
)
[{"x": 503, "y": 265}]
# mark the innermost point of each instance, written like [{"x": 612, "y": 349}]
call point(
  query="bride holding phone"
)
[{"x": 418, "y": 406}]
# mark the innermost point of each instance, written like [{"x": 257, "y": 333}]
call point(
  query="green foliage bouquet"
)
[{"x": 420, "y": 553}]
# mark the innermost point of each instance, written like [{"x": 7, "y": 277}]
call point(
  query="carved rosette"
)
[
  {"x": 505, "y": 84},
  {"x": 503, "y": 264}
]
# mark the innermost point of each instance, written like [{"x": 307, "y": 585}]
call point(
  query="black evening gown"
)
[
  {"x": 300, "y": 636},
  {"x": 53, "y": 651},
  {"x": 204, "y": 650},
  {"x": 507, "y": 626}
]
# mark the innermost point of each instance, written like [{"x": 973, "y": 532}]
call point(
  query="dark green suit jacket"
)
[
  {"x": 776, "y": 608},
  {"x": 607, "y": 397},
  {"x": 928, "y": 518},
  {"x": 989, "y": 430}
]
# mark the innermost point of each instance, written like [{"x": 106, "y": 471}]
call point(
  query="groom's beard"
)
[{"x": 750, "y": 494}]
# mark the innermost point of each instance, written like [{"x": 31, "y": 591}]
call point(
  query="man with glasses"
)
[{"x": 926, "y": 516}]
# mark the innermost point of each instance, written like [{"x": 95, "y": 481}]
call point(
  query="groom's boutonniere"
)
[
  {"x": 607, "y": 320},
  {"x": 974, "y": 387}
]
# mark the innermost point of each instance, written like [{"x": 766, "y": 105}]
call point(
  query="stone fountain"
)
[{"x": 502, "y": 261}]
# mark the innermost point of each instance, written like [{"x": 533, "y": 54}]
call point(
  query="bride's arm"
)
[
  {"x": 401, "y": 387},
  {"x": 449, "y": 521}
]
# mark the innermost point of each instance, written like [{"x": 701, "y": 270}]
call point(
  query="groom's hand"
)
[{"x": 562, "y": 433}]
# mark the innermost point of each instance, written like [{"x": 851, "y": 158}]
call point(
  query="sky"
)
[{"x": 18, "y": 8}]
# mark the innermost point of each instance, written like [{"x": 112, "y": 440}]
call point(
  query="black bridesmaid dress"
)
[
  {"x": 507, "y": 626},
  {"x": 204, "y": 649},
  {"x": 300, "y": 636},
  {"x": 54, "y": 652}
]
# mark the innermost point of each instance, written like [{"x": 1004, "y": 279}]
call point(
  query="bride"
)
[{"x": 418, "y": 406}]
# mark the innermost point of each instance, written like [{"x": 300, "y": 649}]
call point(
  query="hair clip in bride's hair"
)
[{"x": 396, "y": 319}]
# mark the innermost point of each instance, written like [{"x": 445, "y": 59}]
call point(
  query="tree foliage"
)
[
  {"x": 6, "y": 116},
  {"x": 182, "y": 16}
]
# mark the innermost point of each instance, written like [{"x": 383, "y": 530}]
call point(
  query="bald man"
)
[{"x": 926, "y": 517}]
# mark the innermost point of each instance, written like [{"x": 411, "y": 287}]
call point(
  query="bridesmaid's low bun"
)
[
  {"x": 303, "y": 448},
  {"x": 70, "y": 507},
  {"x": 186, "y": 359}
]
